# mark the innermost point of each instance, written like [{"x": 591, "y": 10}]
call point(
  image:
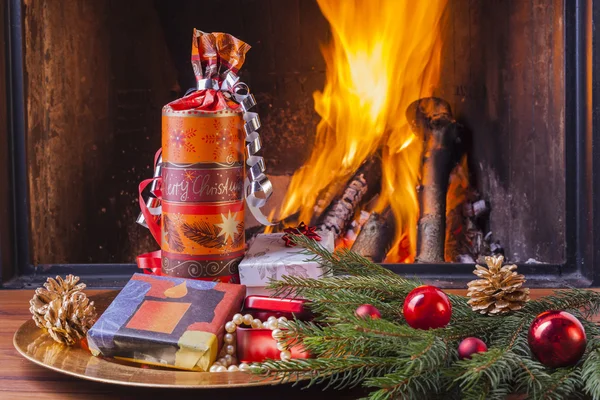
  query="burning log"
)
[
  {"x": 361, "y": 187},
  {"x": 376, "y": 236},
  {"x": 431, "y": 119}
]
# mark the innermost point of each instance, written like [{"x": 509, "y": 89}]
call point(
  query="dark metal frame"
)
[{"x": 582, "y": 148}]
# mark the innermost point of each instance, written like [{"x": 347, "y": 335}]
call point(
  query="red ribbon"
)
[
  {"x": 150, "y": 263},
  {"x": 205, "y": 100},
  {"x": 150, "y": 219},
  {"x": 308, "y": 231}
]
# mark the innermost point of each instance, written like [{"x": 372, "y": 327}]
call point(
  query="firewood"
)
[
  {"x": 360, "y": 188},
  {"x": 431, "y": 119},
  {"x": 376, "y": 236}
]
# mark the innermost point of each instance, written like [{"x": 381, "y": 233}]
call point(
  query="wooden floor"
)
[{"x": 21, "y": 379}]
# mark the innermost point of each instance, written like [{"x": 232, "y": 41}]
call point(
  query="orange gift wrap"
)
[
  {"x": 204, "y": 137},
  {"x": 202, "y": 194},
  {"x": 202, "y": 235},
  {"x": 209, "y": 169}
]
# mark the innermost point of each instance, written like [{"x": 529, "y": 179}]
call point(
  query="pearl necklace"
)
[{"x": 228, "y": 362}]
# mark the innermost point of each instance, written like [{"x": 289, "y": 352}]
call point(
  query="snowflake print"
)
[
  {"x": 189, "y": 176},
  {"x": 179, "y": 139},
  {"x": 224, "y": 139}
]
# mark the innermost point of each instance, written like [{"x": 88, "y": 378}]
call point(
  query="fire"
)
[{"x": 384, "y": 55}]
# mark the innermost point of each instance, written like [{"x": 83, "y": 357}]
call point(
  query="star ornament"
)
[{"x": 228, "y": 226}]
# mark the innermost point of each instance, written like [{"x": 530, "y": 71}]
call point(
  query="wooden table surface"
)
[{"x": 21, "y": 379}]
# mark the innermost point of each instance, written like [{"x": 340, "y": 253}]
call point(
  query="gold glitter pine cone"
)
[
  {"x": 63, "y": 310},
  {"x": 499, "y": 289}
]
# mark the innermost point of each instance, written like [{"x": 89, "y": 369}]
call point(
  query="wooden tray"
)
[{"x": 38, "y": 347}]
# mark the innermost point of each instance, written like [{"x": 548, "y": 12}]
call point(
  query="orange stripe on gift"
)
[{"x": 158, "y": 316}]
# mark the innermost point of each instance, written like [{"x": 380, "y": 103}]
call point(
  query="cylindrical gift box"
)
[{"x": 202, "y": 194}]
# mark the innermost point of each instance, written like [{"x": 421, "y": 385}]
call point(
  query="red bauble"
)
[
  {"x": 557, "y": 339},
  {"x": 427, "y": 307},
  {"x": 470, "y": 346},
  {"x": 367, "y": 310}
]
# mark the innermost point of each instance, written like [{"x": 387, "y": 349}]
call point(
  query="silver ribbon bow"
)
[{"x": 257, "y": 187}]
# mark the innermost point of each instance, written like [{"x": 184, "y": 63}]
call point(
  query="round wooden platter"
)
[{"x": 38, "y": 347}]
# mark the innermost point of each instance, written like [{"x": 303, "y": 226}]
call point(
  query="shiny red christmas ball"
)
[
  {"x": 470, "y": 346},
  {"x": 367, "y": 310},
  {"x": 557, "y": 339},
  {"x": 427, "y": 307}
]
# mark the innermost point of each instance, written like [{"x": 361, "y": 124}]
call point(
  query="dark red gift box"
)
[
  {"x": 263, "y": 307},
  {"x": 256, "y": 345}
]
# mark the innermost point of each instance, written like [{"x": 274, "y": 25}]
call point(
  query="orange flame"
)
[{"x": 384, "y": 55}]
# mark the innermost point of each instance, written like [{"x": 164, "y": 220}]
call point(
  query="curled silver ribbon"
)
[
  {"x": 152, "y": 202},
  {"x": 257, "y": 187}
]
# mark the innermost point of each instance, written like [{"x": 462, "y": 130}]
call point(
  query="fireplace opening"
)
[{"x": 418, "y": 133}]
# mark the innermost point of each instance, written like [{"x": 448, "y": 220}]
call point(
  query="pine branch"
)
[
  {"x": 572, "y": 299},
  {"x": 331, "y": 305},
  {"x": 531, "y": 377},
  {"x": 421, "y": 375},
  {"x": 494, "y": 367},
  {"x": 341, "y": 340},
  {"x": 485, "y": 391},
  {"x": 398, "y": 361},
  {"x": 342, "y": 261},
  {"x": 371, "y": 331},
  {"x": 476, "y": 327},
  {"x": 590, "y": 369},
  {"x": 400, "y": 385},
  {"x": 378, "y": 287},
  {"x": 565, "y": 383},
  {"x": 338, "y": 373}
]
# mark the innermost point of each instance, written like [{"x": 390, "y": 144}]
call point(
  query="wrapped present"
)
[
  {"x": 203, "y": 172},
  {"x": 166, "y": 321},
  {"x": 208, "y": 167},
  {"x": 257, "y": 345},
  {"x": 263, "y": 307},
  {"x": 269, "y": 258},
  {"x": 258, "y": 329}
]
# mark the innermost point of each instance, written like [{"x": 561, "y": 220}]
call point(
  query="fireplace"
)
[{"x": 509, "y": 82}]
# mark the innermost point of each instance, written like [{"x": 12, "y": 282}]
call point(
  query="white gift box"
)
[{"x": 269, "y": 258}]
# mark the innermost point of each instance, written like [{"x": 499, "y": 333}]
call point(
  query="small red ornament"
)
[
  {"x": 308, "y": 231},
  {"x": 427, "y": 307},
  {"x": 557, "y": 339},
  {"x": 367, "y": 310},
  {"x": 470, "y": 346}
]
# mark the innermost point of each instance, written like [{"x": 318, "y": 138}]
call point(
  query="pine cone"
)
[
  {"x": 61, "y": 308},
  {"x": 499, "y": 289}
]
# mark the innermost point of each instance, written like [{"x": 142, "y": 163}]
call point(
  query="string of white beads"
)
[{"x": 228, "y": 362}]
